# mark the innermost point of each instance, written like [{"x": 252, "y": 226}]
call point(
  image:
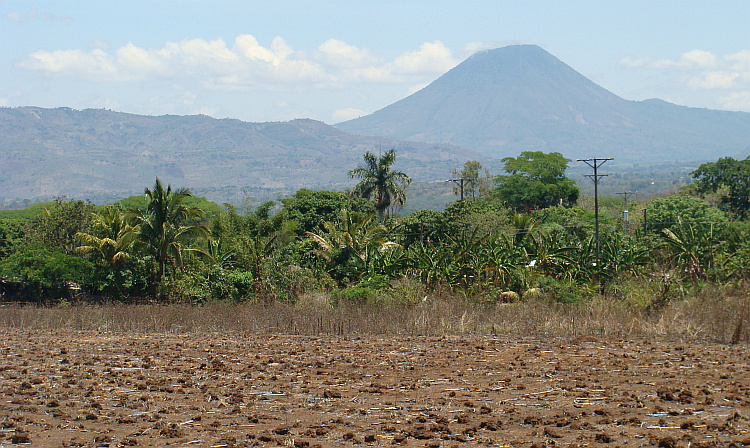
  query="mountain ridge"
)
[
  {"x": 516, "y": 98},
  {"x": 103, "y": 155}
]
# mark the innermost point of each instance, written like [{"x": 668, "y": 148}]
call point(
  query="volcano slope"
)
[{"x": 223, "y": 390}]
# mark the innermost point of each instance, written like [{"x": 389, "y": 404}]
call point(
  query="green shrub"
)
[
  {"x": 352, "y": 296},
  {"x": 376, "y": 281},
  {"x": 44, "y": 274},
  {"x": 564, "y": 290}
]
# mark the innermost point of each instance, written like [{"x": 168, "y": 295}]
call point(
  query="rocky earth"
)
[{"x": 222, "y": 390}]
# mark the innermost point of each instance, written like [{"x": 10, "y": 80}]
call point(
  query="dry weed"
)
[{"x": 712, "y": 314}]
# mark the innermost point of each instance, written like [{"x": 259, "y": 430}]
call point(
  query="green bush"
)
[
  {"x": 352, "y": 296},
  {"x": 376, "y": 281},
  {"x": 564, "y": 290},
  {"x": 46, "y": 275}
]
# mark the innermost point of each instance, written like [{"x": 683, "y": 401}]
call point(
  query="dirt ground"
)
[{"x": 214, "y": 390}]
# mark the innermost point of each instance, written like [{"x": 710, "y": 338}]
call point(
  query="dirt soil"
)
[{"x": 93, "y": 390}]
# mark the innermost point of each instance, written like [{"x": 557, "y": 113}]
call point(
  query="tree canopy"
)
[
  {"x": 380, "y": 182},
  {"x": 313, "y": 208},
  {"x": 535, "y": 180},
  {"x": 476, "y": 182},
  {"x": 731, "y": 179}
]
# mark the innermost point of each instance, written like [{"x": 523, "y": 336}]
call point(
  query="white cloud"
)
[
  {"x": 199, "y": 53},
  {"x": 703, "y": 70},
  {"x": 739, "y": 61},
  {"x": 338, "y": 53},
  {"x": 736, "y": 101},
  {"x": 698, "y": 58},
  {"x": 629, "y": 62},
  {"x": 246, "y": 65},
  {"x": 418, "y": 87},
  {"x": 139, "y": 63},
  {"x": 247, "y": 46},
  {"x": 93, "y": 65},
  {"x": 714, "y": 80},
  {"x": 691, "y": 59},
  {"x": 4, "y": 102},
  {"x": 347, "y": 114},
  {"x": 377, "y": 74},
  {"x": 432, "y": 57}
]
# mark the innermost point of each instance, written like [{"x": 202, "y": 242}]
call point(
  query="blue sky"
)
[{"x": 335, "y": 60}]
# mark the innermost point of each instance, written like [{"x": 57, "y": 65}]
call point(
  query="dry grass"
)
[{"x": 714, "y": 314}]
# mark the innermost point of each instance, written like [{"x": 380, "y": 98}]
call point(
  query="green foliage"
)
[
  {"x": 476, "y": 182},
  {"x": 575, "y": 220},
  {"x": 140, "y": 202},
  {"x": 665, "y": 213},
  {"x": 564, "y": 290},
  {"x": 352, "y": 296},
  {"x": 163, "y": 227},
  {"x": 352, "y": 245},
  {"x": 57, "y": 226},
  {"x": 695, "y": 247},
  {"x": 730, "y": 178},
  {"x": 536, "y": 180},
  {"x": 386, "y": 188},
  {"x": 46, "y": 274},
  {"x": 484, "y": 215},
  {"x": 421, "y": 226},
  {"x": 111, "y": 237},
  {"x": 28, "y": 213},
  {"x": 235, "y": 284},
  {"x": 310, "y": 209},
  {"x": 11, "y": 235},
  {"x": 376, "y": 281}
]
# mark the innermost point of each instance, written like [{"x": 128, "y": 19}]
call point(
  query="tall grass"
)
[{"x": 719, "y": 315}]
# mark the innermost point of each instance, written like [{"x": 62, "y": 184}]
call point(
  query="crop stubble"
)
[{"x": 216, "y": 390}]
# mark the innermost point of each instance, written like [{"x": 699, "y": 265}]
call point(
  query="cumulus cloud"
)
[
  {"x": 703, "y": 70},
  {"x": 699, "y": 58},
  {"x": 714, "y": 80},
  {"x": 432, "y": 57},
  {"x": 245, "y": 65},
  {"x": 739, "y": 101},
  {"x": 691, "y": 59},
  {"x": 338, "y": 53},
  {"x": 92, "y": 65},
  {"x": 347, "y": 114},
  {"x": 739, "y": 61}
]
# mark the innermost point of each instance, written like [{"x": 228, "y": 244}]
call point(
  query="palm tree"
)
[
  {"x": 111, "y": 237},
  {"x": 380, "y": 183},
  {"x": 165, "y": 229}
]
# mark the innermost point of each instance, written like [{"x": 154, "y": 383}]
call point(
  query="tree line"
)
[{"x": 525, "y": 233}]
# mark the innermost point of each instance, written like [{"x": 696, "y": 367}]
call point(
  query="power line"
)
[
  {"x": 625, "y": 212},
  {"x": 595, "y": 163}
]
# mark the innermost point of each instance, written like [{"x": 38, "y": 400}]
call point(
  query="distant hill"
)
[
  {"x": 504, "y": 101},
  {"x": 103, "y": 155}
]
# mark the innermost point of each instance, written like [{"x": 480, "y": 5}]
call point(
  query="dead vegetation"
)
[{"x": 713, "y": 314}]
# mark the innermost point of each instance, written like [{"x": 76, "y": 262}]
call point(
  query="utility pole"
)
[
  {"x": 460, "y": 183},
  {"x": 625, "y": 194},
  {"x": 595, "y": 163}
]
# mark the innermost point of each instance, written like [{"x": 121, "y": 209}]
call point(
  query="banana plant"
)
[
  {"x": 352, "y": 244},
  {"x": 694, "y": 247}
]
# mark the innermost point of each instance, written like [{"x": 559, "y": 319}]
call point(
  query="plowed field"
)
[{"x": 213, "y": 390}]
